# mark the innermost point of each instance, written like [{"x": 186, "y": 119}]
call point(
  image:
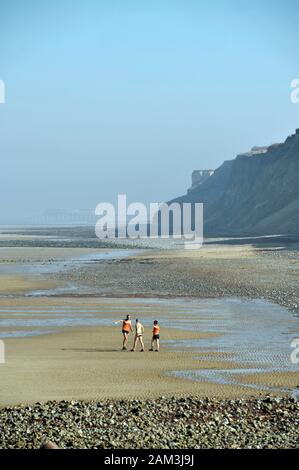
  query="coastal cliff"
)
[{"x": 257, "y": 193}]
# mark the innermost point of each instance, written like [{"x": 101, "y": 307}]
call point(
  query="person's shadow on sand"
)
[{"x": 91, "y": 350}]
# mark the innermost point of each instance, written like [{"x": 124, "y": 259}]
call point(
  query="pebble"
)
[{"x": 171, "y": 422}]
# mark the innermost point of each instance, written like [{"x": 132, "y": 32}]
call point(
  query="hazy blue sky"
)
[{"x": 128, "y": 96}]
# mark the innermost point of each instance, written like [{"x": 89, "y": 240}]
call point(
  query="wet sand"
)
[
  {"x": 86, "y": 363},
  {"x": 13, "y": 284},
  {"x": 17, "y": 275},
  {"x": 270, "y": 273}
]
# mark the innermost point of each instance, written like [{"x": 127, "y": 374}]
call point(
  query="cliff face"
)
[
  {"x": 212, "y": 189},
  {"x": 198, "y": 178},
  {"x": 253, "y": 194}
]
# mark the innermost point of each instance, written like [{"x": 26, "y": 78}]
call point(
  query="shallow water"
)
[
  {"x": 54, "y": 266},
  {"x": 254, "y": 334},
  {"x": 231, "y": 377}
]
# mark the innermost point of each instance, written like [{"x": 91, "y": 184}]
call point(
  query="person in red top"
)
[
  {"x": 126, "y": 329},
  {"x": 156, "y": 337}
]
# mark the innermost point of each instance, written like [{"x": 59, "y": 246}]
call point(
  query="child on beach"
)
[
  {"x": 126, "y": 328},
  {"x": 156, "y": 336},
  {"x": 139, "y": 329}
]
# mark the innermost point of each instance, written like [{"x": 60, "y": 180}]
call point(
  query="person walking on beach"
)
[
  {"x": 139, "y": 330},
  {"x": 156, "y": 336},
  {"x": 126, "y": 329}
]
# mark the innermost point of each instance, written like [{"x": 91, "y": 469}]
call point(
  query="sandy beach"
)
[
  {"x": 58, "y": 361},
  {"x": 58, "y": 305},
  {"x": 88, "y": 364}
]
